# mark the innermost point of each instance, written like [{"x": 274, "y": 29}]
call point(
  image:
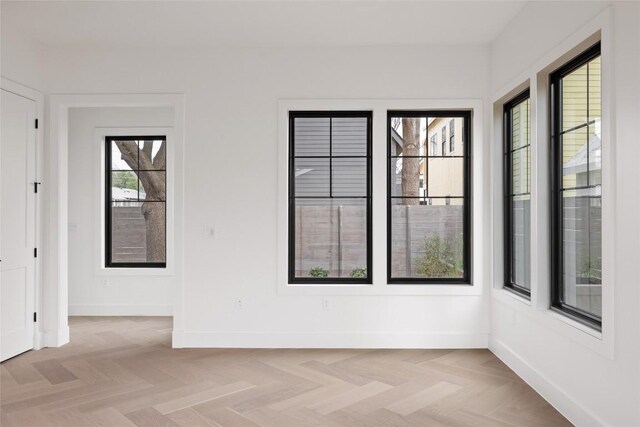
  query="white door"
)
[{"x": 17, "y": 218}]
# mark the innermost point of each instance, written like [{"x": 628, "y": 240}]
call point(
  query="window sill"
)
[
  {"x": 515, "y": 295},
  {"x": 381, "y": 288},
  {"x": 574, "y": 323},
  {"x": 124, "y": 271}
]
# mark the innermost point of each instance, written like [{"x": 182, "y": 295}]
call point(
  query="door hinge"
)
[
  {"x": 36, "y": 123},
  {"x": 35, "y": 252},
  {"x": 35, "y": 317}
]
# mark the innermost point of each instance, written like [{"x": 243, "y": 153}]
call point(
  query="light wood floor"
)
[{"x": 122, "y": 372}]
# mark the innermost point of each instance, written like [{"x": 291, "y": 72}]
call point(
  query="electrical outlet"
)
[
  {"x": 239, "y": 304},
  {"x": 325, "y": 304}
]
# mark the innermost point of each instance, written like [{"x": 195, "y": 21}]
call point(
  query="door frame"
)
[
  {"x": 56, "y": 169},
  {"x": 38, "y": 98}
]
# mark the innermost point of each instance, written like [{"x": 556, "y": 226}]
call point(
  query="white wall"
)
[
  {"x": 231, "y": 130},
  {"x": 92, "y": 292},
  {"x": 22, "y": 61},
  {"x": 590, "y": 387}
]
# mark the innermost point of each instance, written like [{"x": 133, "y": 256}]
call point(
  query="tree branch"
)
[
  {"x": 147, "y": 148},
  {"x": 160, "y": 161}
]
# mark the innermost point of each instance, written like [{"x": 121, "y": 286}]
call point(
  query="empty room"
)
[{"x": 319, "y": 213}]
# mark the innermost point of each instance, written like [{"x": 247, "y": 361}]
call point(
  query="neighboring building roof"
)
[
  {"x": 395, "y": 136},
  {"x": 578, "y": 162},
  {"x": 126, "y": 194}
]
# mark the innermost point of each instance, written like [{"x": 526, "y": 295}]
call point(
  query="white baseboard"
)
[
  {"x": 551, "y": 392},
  {"x": 120, "y": 310},
  {"x": 55, "y": 338},
  {"x": 329, "y": 340}
]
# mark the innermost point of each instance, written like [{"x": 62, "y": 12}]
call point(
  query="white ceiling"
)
[{"x": 187, "y": 24}]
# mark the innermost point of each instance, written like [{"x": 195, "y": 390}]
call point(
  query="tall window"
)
[
  {"x": 452, "y": 136},
  {"x": 444, "y": 139},
  {"x": 330, "y": 197},
  {"x": 517, "y": 197},
  {"x": 428, "y": 232},
  {"x": 576, "y": 184},
  {"x": 135, "y": 214},
  {"x": 434, "y": 145}
]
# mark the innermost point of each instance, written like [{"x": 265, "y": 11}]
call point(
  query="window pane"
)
[
  {"x": 574, "y": 158},
  {"x": 445, "y": 177},
  {"x": 349, "y": 177},
  {"x": 155, "y": 188},
  {"x": 520, "y": 125},
  {"x": 330, "y": 238},
  {"x": 520, "y": 170},
  {"x": 520, "y": 240},
  {"x": 311, "y": 177},
  {"x": 311, "y": 136},
  {"x": 595, "y": 155},
  {"x": 518, "y": 199},
  {"x": 595, "y": 99},
  {"x": 582, "y": 249},
  {"x": 124, "y": 155},
  {"x": 576, "y": 251},
  {"x": 137, "y": 232},
  {"x": 427, "y": 198},
  {"x": 404, "y": 183},
  {"x": 349, "y": 136},
  {"x": 574, "y": 98},
  {"x": 330, "y": 219},
  {"x": 409, "y": 136},
  {"x": 426, "y": 241},
  {"x": 124, "y": 185},
  {"x": 152, "y": 155},
  {"x": 438, "y": 128}
]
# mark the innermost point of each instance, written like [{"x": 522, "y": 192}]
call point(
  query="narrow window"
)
[
  {"x": 434, "y": 145},
  {"x": 135, "y": 208},
  {"x": 517, "y": 197},
  {"x": 330, "y": 197},
  {"x": 444, "y": 139},
  {"x": 452, "y": 134},
  {"x": 428, "y": 229},
  {"x": 576, "y": 188}
]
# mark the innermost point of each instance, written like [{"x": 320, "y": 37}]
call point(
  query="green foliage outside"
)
[
  {"x": 127, "y": 179},
  {"x": 591, "y": 269},
  {"x": 442, "y": 257},
  {"x": 319, "y": 272},
  {"x": 359, "y": 272}
]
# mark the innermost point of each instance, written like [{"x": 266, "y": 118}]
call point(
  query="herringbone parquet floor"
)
[{"x": 122, "y": 372}]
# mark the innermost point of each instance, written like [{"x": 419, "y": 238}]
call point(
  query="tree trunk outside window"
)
[
  {"x": 154, "y": 187},
  {"x": 410, "y": 165}
]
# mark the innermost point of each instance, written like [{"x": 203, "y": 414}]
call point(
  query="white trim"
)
[
  {"x": 600, "y": 28},
  {"x": 549, "y": 390},
  {"x": 379, "y": 108},
  {"x": 56, "y": 250},
  {"x": 414, "y": 340},
  {"x": 120, "y": 310},
  {"x": 56, "y": 338},
  {"x": 38, "y": 98},
  {"x": 99, "y": 159}
]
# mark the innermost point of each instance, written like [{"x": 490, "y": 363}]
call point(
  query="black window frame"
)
[
  {"x": 466, "y": 116},
  {"x": 556, "y": 189},
  {"x": 291, "y": 197},
  {"x": 109, "y": 140},
  {"x": 508, "y": 192}
]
